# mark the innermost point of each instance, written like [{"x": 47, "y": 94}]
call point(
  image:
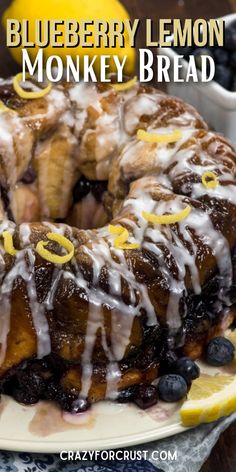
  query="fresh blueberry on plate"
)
[
  {"x": 233, "y": 88},
  {"x": 183, "y": 51},
  {"x": 233, "y": 60},
  {"x": 187, "y": 368},
  {"x": 223, "y": 76},
  {"x": 233, "y": 25},
  {"x": 230, "y": 38},
  {"x": 167, "y": 362},
  {"x": 198, "y": 53},
  {"x": 221, "y": 56},
  {"x": 220, "y": 351},
  {"x": 172, "y": 388}
]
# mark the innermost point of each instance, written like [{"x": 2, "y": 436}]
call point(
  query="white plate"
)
[
  {"x": 107, "y": 425},
  {"x": 43, "y": 428}
]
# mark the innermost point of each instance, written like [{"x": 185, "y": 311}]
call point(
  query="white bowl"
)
[{"x": 216, "y": 104}]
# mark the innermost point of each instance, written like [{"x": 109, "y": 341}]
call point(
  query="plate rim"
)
[{"x": 56, "y": 446}]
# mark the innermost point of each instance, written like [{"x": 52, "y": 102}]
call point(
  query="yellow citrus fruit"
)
[
  {"x": 210, "y": 398},
  {"x": 71, "y": 10},
  {"x": 231, "y": 335}
]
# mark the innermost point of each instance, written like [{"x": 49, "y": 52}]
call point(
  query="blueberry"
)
[
  {"x": 221, "y": 56},
  {"x": 230, "y": 38},
  {"x": 198, "y": 53},
  {"x": 67, "y": 400},
  {"x": 183, "y": 51},
  {"x": 223, "y": 76},
  {"x": 128, "y": 394},
  {"x": 98, "y": 188},
  {"x": 81, "y": 189},
  {"x": 168, "y": 360},
  {"x": 232, "y": 25},
  {"x": 52, "y": 390},
  {"x": 31, "y": 382},
  {"x": 25, "y": 397},
  {"x": 187, "y": 368},
  {"x": 220, "y": 351},
  {"x": 146, "y": 396},
  {"x": 80, "y": 405},
  {"x": 29, "y": 176},
  {"x": 233, "y": 88},
  {"x": 233, "y": 60},
  {"x": 172, "y": 388}
]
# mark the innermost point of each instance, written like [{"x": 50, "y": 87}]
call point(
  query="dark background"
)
[{"x": 223, "y": 456}]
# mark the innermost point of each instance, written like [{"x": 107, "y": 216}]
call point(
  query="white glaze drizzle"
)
[{"x": 23, "y": 268}]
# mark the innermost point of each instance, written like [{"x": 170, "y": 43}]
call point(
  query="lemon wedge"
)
[{"x": 210, "y": 398}]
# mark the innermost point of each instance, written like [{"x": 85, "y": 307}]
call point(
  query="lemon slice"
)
[
  {"x": 231, "y": 335},
  {"x": 209, "y": 398}
]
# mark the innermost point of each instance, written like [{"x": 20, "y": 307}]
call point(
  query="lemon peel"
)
[
  {"x": 122, "y": 236},
  {"x": 8, "y": 243},
  {"x": 55, "y": 258},
  {"x": 3, "y": 107},
  {"x": 26, "y": 94},
  {"x": 167, "y": 219},
  {"x": 176, "y": 135},
  {"x": 213, "y": 182},
  {"x": 125, "y": 85}
]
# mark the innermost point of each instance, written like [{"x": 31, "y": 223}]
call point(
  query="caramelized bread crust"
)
[{"x": 105, "y": 322}]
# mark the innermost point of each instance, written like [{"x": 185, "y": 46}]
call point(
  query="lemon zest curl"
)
[
  {"x": 8, "y": 243},
  {"x": 122, "y": 236},
  {"x": 167, "y": 219},
  {"x": 125, "y": 85},
  {"x": 176, "y": 135},
  {"x": 55, "y": 258},
  {"x": 213, "y": 181},
  {"x": 28, "y": 94},
  {"x": 4, "y": 108}
]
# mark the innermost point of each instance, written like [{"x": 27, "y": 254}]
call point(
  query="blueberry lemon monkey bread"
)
[{"x": 118, "y": 217}]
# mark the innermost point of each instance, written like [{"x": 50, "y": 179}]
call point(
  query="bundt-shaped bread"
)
[{"x": 103, "y": 322}]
